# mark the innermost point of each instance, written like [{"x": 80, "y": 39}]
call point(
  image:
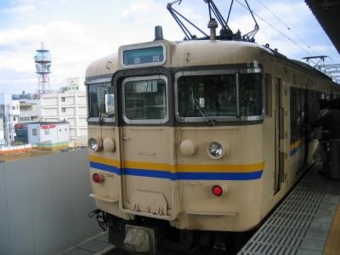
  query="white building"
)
[
  {"x": 15, "y": 114},
  {"x": 7, "y": 133},
  {"x": 2, "y": 133},
  {"x": 48, "y": 135},
  {"x": 29, "y": 110},
  {"x": 67, "y": 106},
  {"x": 74, "y": 84}
]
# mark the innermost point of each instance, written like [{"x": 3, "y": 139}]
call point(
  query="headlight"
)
[
  {"x": 215, "y": 150},
  {"x": 95, "y": 144}
]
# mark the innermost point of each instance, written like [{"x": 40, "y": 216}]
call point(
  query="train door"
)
[
  {"x": 146, "y": 147},
  {"x": 279, "y": 134},
  {"x": 302, "y": 125},
  {"x": 298, "y": 121}
]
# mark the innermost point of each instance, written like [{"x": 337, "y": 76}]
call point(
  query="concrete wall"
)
[{"x": 44, "y": 203}]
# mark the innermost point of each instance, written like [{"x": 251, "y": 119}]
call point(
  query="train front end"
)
[{"x": 176, "y": 143}]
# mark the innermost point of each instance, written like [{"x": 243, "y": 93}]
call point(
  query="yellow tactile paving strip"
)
[{"x": 332, "y": 246}]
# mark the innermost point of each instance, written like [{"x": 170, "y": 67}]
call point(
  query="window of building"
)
[
  {"x": 63, "y": 109},
  {"x": 24, "y": 119},
  {"x": 34, "y": 132},
  {"x": 62, "y": 99},
  {"x": 47, "y": 131}
]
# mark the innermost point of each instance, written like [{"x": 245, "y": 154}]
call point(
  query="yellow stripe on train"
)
[{"x": 239, "y": 168}]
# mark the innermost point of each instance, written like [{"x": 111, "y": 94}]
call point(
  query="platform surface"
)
[{"x": 306, "y": 223}]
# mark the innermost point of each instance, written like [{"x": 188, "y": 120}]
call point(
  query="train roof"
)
[
  {"x": 103, "y": 66},
  {"x": 298, "y": 63},
  {"x": 254, "y": 48},
  {"x": 215, "y": 52},
  {"x": 309, "y": 68}
]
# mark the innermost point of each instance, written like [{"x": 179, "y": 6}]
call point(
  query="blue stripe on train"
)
[
  {"x": 179, "y": 175},
  {"x": 105, "y": 167}
]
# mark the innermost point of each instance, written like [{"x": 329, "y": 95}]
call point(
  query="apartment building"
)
[
  {"x": 7, "y": 134},
  {"x": 29, "y": 110},
  {"x": 2, "y": 133},
  {"x": 69, "y": 106}
]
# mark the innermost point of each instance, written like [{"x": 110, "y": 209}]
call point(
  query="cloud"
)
[
  {"x": 80, "y": 31},
  {"x": 138, "y": 11},
  {"x": 71, "y": 48},
  {"x": 59, "y": 35},
  {"x": 281, "y": 29},
  {"x": 140, "y": 17},
  {"x": 20, "y": 10}
]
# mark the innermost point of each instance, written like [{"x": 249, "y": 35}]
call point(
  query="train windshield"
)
[
  {"x": 145, "y": 100},
  {"x": 218, "y": 96},
  {"x": 101, "y": 101}
]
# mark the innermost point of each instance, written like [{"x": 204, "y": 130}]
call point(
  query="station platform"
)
[
  {"x": 307, "y": 222},
  {"x": 96, "y": 245}
]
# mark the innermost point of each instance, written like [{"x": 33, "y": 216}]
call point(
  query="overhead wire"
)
[
  {"x": 284, "y": 24},
  {"x": 277, "y": 30}
]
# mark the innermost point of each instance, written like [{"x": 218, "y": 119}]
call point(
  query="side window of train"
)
[
  {"x": 100, "y": 100},
  {"x": 313, "y": 104},
  {"x": 251, "y": 94},
  {"x": 268, "y": 95},
  {"x": 297, "y": 113}
]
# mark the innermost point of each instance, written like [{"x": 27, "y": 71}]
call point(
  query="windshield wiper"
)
[{"x": 203, "y": 112}]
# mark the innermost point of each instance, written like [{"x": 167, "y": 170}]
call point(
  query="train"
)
[{"x": 193, "y": 143}]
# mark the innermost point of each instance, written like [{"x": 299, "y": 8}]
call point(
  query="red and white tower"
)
[{"x": 43, "y": 65}]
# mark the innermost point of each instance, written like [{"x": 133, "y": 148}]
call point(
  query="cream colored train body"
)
[{"x": 195, "y": 137}]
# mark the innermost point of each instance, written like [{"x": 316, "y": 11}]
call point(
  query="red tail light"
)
[
  {"x": 217, "y": 190},
  {"x": 98, "y": 178}
]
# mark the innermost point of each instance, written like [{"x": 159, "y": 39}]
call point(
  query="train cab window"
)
[
  {"x": 207, "y": 95},
  {"x": 145, "y": 100},
  {"x": 218, "y": 97},
  {"x": 101, "y": 103}
]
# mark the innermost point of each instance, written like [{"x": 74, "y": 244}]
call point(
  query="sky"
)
[{"x": 77, "y": 32}]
